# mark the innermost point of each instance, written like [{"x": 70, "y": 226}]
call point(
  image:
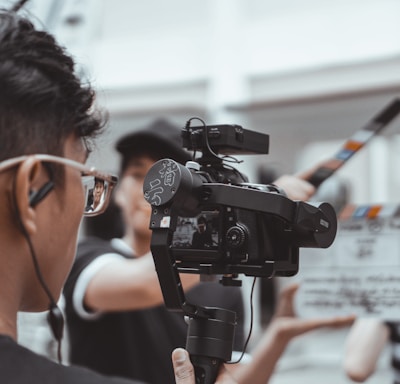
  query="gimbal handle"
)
[{"x": 211, "y": 330}]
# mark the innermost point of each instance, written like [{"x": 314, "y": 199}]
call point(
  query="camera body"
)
[
  {"x": 234, "y": 240},
  {"x": 247, "y": 228}
]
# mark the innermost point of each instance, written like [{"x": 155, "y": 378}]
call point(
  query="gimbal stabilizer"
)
[{"x": 177, "y": 191}]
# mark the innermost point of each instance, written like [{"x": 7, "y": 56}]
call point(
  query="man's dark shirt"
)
[{"x": 19, "y": 365}]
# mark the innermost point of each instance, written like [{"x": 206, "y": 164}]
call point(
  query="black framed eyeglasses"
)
[{"x": 97, "y": 185}]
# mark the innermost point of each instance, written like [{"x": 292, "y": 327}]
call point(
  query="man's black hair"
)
[
  {"x": 98, "y": 181},
  {"x": 158, "y": 140},
  {"x": 201, "y": 219},
  {"x": 42, "y": 101}
]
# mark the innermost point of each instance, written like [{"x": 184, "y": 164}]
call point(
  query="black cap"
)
[{"x": 161, "y": 139}]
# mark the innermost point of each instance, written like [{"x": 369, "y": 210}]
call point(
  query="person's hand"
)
[
  {"x": 184, "y": 371},
  {"x": 283, "y": 328},
  {"x": 296, "y": 187},
  {"x": 183, "y": 368},
  {"x": 288, "y": 326}
]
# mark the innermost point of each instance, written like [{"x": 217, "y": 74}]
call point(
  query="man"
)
[
  {"x": 46, "y": 126},
  {"x": 202, "y": 236},
  {"x": 115, "y": 312},
  {"x": 95, "y": 195},
  {"x": 115, "y": 316}
]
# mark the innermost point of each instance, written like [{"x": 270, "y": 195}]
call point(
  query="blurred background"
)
[{"x": 308, "y": 73}]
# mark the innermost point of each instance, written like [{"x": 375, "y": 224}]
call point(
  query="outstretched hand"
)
[
  {"x": 284, "y": 327},
  {"x": 290, "y": 326},
  {"x": 296, "y": 187}
]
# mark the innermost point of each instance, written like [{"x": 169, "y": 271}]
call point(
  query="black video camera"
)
[
  {"x": 247, "y": 228},
  {"x": 243, "y": 228}
]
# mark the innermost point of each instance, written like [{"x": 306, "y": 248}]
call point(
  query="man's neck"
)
[
  {"x": 8, "y": 326},
  {"x": 12, "y": 282}
]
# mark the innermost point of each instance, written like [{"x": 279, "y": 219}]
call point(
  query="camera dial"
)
[{"x": 236, "y": 236}]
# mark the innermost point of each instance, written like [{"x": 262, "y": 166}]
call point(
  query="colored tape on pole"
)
[{"x": 355, "y": 143}]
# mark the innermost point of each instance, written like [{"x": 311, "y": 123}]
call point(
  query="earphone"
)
[
  {"x": 36, "y": 197},
  {"x": 55, "y": 317}
]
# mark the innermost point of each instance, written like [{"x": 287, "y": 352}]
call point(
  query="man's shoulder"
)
[
  {"x": 88, "y": 250},
  {"x": 91, "y": 248},
  {"x": 91, "y": 244},
  {"x": 95, "y": 246},
  {"x": 40, "y": 369}
]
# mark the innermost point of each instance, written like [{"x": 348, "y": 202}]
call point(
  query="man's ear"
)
[{"x": 27, "y": 181}]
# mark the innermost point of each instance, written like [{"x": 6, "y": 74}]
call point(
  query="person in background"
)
[
  {"x": 202, "y": 236},
  {"x": 114, "y": 305},
  {"x": 95, "y": 195}
]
